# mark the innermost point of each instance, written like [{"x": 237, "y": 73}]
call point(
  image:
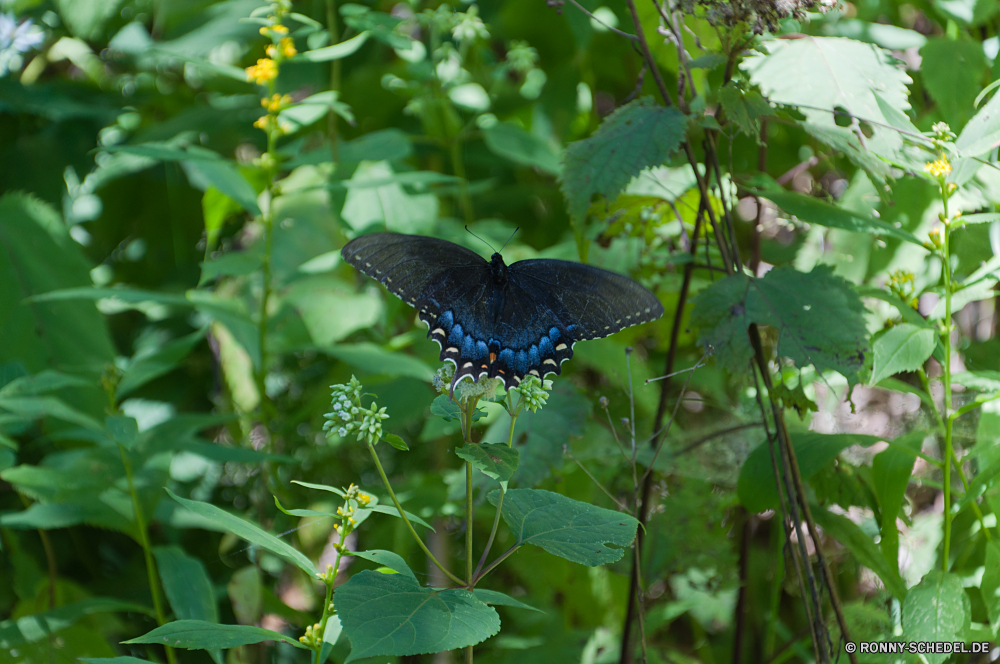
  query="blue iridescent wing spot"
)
[
  {"x": 545, "y": 346},
  {"x": 554, "y": 333},
  {"x": 533, "y": 358},
  {"x": 456, "y": 336},
  {"x": 447, "y": 320},
  {"x": 469, "y": 347},
  {"x": 521, "y": 362},
  {"x": 482, "y": 350},
  {"x": 507, "y": 357}
]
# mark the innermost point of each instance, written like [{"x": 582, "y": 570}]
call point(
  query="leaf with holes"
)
[{"x": 818, "y": 317}]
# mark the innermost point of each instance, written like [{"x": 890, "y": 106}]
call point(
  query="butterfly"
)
[{"x": 498, "y": 320}]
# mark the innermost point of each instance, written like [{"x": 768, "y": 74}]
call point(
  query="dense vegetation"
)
[{"x": 800, "y": 455}]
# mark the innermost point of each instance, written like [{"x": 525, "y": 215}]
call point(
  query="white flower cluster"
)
[
  {"x": 349, "y": 416},
  {"x": 484, "y": 388},
  {"x": 534, "y": 392},
  {"x": 16, "y": 40}
]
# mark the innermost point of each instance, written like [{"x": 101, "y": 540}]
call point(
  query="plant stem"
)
[
  {"x": 458, "y": 166},
  {"x": 327, "y": 605},
  {"x": 140, "y": 524},
  {"x": 947, "y": 405},
  {"x": 334, "y": 30},
  {"x": 502, "y": 557},
  {"x": 267, "y": 218},
  {"x": 467, "y": 413},
  {"x": 503, "y": 492},
  {"x": 406, "y": 520}
]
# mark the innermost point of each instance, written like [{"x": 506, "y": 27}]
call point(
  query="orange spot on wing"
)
[{"x": 493, "y": 358}]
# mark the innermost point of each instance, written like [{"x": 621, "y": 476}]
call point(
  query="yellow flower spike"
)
[
  {"x": 271, "y": 51},
  {"x": 287, "y": 46},
  {"x": 265, "y": 70},
  {"x": 940, "y": 168},
  {"x": 263, "y": 122}
]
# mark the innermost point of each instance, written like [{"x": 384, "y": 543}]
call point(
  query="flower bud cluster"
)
[
  {"x": 534, "y": 392},
  {"x": 349, "y": 416},
  {"x": 313, "y": 638},
  {"x": 901, "y": 284}
]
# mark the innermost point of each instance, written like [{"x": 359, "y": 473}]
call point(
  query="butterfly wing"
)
[
  {"x": 448, "y": 284},
  {"x": 573, "y": 302}
]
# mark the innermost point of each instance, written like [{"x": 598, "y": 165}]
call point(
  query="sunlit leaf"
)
[
  {"x": 937, "y": 610},
  {"x": 903, "y": 348},
  {"x": 201, "y": 635},
  {"x": 495, "y": 460}
]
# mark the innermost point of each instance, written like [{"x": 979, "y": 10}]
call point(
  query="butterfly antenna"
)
[
  {"x": 510, "y": 238},
  {"x": 482, "y": 240}
]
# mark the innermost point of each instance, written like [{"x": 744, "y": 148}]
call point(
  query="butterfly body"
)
[{"x": 501, "y": 321}]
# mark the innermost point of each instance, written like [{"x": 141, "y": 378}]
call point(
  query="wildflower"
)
[
  {"x": 470, "y": 27},
  {"x": 940, "y": 168},
  {"x": 276, "y": 29},
  {"x": 521, "y": 57},
  {"x": 312, "y": 638},
  {"x": 364, "y": 499},
  {"x": 935, "y": 237},
  {"x": 275, "y": 103},
  {"x": 264, "y": 71},
  {"x": 534, "y": 392},
  {"x": 16, "y": 39},
  {"x": 484, "y": 388},
  {"x": 264, "y": 122},
  {"x": 287, "y": 47},
  {"x": 371, "y": 424},
  {"x": 442, "y": 379}
]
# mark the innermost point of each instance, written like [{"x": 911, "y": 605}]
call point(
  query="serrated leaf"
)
[
  {"x": 251, "y": 532},
  {"x": 574, "y": 530},
  {"x": 756, "y": 488},
  {"x": 903, "y": 348},
  {"x": 495, "y": 460},
  {"x": 637, "y": 136},
  {"x": 818, "y": 317},
  {"x": 745, "y": 109},
  {"x": 446, "y": 409},
  {"x": 396, "y": 442},
  {"x": 861, "y": 545},
  {"x": 201, "y": 635},
  {"x": 391, "y": 614},
  {"x": 937, "y": 609}
]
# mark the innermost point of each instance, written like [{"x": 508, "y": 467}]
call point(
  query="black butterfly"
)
[{"x": 501, "y": 321}]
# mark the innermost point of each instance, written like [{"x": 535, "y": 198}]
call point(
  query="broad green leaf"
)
[
  {"x": 903, "y": 348},
  {"x": 387, "y": 559},
  {"x": 44, "y": 381},
  {"x": 496, "y": 598},
  {"x": 368, "y": 203},
  {"x": 320, "y": 487},
  {"x": 33, "y": 408},
  {"x": 886, "y": 36},
  {"x": 246, "y": 594},
  {"x": 813, "y": 451},
  {"x": 990, "y": 586},
  {"x": 232, "y": 264},
  {"x": 814, "y": 211},
  {"x": 143, "y": 368},
  {"x": 637, "y": 136},
  {"x": 508, "y": 140},
  {"x": 50, "y": 516},
  {"x": 496, "y": 460},
  {"x": 312, "y": 109},
  {"x": 392, "y": 614},
  {"x": 968, "y": 12},
  {"x": 745, "y": 109},
  {"x": 952, "y": 70},
  {"x": 201, "y": 635},
  {"x": 374, "y": 359},
  {"x": 225, "y": 177},
  {"x": 861, "y": 545},
  {"x": 937, "y": 610},
  {"x": 248, "y": 531},
  {"x": 445, "y": 408},
  {"x": 891, "y": 469},
  {"x": 187, "y": 585},
  {"x": 574, "y": 530},
  {"x": 123, "y": 429},
  {"x": 382, "y": 145},
  {"x": 38, "y": 626},
  {"x": 332, "y": 310},
  {"x": 336, "y": 51},
  {"x": 985, "y": 381},
  {"x": 392, "y": 511},
  {"x": 39, "y": 258},
  {"x": 818, "y": 317},
  {"x": 982, "y": 133},
  {"x": 820, "y": 75},
  {"x": 87, "y": 18}
]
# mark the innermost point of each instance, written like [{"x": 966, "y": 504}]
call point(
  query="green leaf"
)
[
  {"x": 141, "y": 369},
  {"x": 861, "y": 545},
  {"x": 818, "y": 317},
  {"x": 246, "y": 594},
  {"x": 201, "y": 635},
  {"x": 332, "y": 310},
  {"x": 248, "y": 531},
  {"x": 374, "y": 196},
  {"x": 33, "y": 408},
  {"x": 756, "y": 488},
  {"x": 35, "y": 627},
  {"x": 820, "y": 75},
  {"x": 392, "y": 511},
  {"x": 336, "y": 51},
  {"x": 497, "y": 598},
  {"x": 320, "y": 487},
  {"x": 123, "y": 429},
  {"x": 387, "y": 559},
  {"x": 374, "y": 359},
  {"x": 124, "y": 659},
  {"x": 985, "y": 381},
  {"x": 814, "y": 211},
  {"x": 891, "y": 469},
  {"x": 745, "y": 109},
  {"x": 391, "y": 614},
  {"x": 510, "y": 141},
  {"x": 187, "y": 585},
  {"x": 903, "y": 348},
  {"x": 312, "y": 109},
  {"x": 952, "y": 70},
  {"x": 577, "y": 531},
  {"x": 44, "y": 381},
  {"x": 982, "y": 133},
  {"x": 86, "y": 18},
  {"x": 232, "y": 264},
  {"x": 396, "y": 442},
  {"x": 50, "y": 516},
  {"x": 937, "y": 610},
  {"x": 990, "y": 586},
  {"x": 40, "y": 257},
  {"x": 225, "y": 177},
  {"x": 637, "y": 136},
  {"x": 496, "y": 460},
  {"x": 445, "y": 408}
]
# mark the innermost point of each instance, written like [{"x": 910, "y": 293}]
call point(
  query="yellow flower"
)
[
  {"x": 287, "y": 46},
  {"x": 263, "y": 122},
  {"x": 940, "y": 168},
  {"x": 364, "y": 499},
  {"x": 275, "y": 103},
  {"x": 277, "y": 29},
  {"x": 271, "y": 51},
  {"x": 265, "y": 70}
]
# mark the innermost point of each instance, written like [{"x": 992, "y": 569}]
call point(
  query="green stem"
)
[
  {"x": 334, "y": 30},
  {"x": 268, "y": 220},
  {"x": 140, "y": 524},
  {"x": 502, "y": 557},
  {"x": 503, "y": 492},
  {"x": 947, "y": 405},
  {"x": 406, "y": 520},
  {"x": 327, "y": 605}
]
